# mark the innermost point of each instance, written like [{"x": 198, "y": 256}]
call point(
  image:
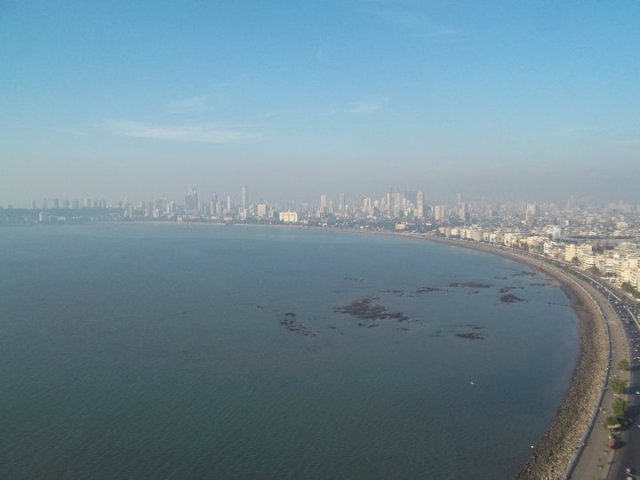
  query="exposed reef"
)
[
  {"x": 367, "y": 309},
  {"x": 471, "y": 336},
  {"x": 291, "y": 323},
  {"x": 428, "y": 290},
  {"x": 469, "y": 285},
  {"x": 510, "y": 298},
  {"x": 524, "y": 273},
  {"x": 507, "y": 289},
  {"x": 353, "y": 279},
  {"x": 394, "y": 291},
  {"x": 472, "y": 326}
]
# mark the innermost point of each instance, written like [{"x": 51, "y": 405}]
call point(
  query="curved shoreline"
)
[{"x": 555, "y": 453}]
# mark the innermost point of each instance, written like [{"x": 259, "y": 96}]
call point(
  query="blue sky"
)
[{"x": 498, "y": 99}]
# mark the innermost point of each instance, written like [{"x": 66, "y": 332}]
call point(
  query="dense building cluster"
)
[{"x": 597, "y": 237}]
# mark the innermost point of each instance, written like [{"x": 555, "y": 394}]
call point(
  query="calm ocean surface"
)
[{"x": 158, "y": 352}]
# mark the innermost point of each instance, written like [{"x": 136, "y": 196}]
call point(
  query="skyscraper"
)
[
  {"x": 342, "y": 207},
  {"x": 420, "y": 204},
  {"x": 324, "y": 204},
  {"x": 191, "y": 201},
  {"x": 462, "y": 211},
  {"x": 245, "y": 203}
]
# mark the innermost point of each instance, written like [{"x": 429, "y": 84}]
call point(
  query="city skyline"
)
[
  {"x": 521, "y": 101},
  {"x": 195, "y": 198}
]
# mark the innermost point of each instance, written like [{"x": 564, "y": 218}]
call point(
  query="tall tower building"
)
[
  {"x": 262, "y": 210},
  {"x": 462, "y": 211},
  {"x": 531, "y": 211},
  {"x": 245, "y": 200},
  {"x": 367, "y": 207},
  {"x": 342, "y": 206},
  {"x": 324, "y": 204},
  {"x": 420, "y": 204},
  {"x": 244, "y": 203},
  {"x": 191, "y": 201}
]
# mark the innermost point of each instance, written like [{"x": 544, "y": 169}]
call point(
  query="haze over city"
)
[{"x": 502, "y": 100}]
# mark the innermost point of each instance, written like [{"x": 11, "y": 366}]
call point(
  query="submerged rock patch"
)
[
  {"x": 367, "y": 309},
  {"x": 469, "y": 285},
  {"x": 510, "y": 298},
  {"x": 292, "y": 324}
]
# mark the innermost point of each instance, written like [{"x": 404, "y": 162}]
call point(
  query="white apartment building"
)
[{"x": 289, "y": 217}]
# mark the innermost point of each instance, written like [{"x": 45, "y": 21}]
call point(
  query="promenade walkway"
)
[{"x": 593, "y": 460}]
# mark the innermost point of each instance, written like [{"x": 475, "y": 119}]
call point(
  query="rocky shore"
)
[
  {"x": 555, "y": 452},
  {"x": 557, "y": 449}
]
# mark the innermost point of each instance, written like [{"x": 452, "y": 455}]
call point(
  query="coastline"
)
[
  {"x": 554, "y": 455},
  {"x": 556, "y": 451}
]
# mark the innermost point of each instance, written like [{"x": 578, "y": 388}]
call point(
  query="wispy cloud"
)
[
  {"x": 417, "y": 22},
  {"x": 205, "y": 133},
  {"x": 365, "y": 106},
  {"x": 186, "y": 105},
  {"x": 284, "y": 112}
]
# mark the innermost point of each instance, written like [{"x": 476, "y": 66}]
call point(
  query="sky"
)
[{"x": 501, "y": 100}]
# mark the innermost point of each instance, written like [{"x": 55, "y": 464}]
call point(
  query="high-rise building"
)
[
  {"x": 531, "y": 211},
  {"x": 289, "y": 217},
  {"x": 396, "y": 202},
  {"x": 438, "y": 213},
  {"x": 324, "y": 204},
  {"x": 191, "y": 201},
  {"x": 262, "y": 210},
  {"x": 420, "y": 204},
  {"x": 462, "y": 211},
  {"x": 342, "y": 206},
  {"x": 244, "y": 207}
]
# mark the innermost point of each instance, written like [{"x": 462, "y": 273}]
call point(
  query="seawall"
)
[{"x": 557, "y": 449}]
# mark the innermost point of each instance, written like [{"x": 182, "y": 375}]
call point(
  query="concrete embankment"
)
[{"x": 556, "y": 451}]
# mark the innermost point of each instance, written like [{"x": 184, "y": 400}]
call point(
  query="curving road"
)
[
  {"x": 593, "y": 459},
  {"x": 596, "y": 461}
]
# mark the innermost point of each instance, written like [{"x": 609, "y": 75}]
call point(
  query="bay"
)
[{"x": 182, "y": 351}]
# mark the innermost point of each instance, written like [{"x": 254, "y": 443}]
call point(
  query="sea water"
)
[{"x": 182, "y": 352}]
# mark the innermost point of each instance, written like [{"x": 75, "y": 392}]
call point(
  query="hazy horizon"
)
[{"x": 499, "y": 100}]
